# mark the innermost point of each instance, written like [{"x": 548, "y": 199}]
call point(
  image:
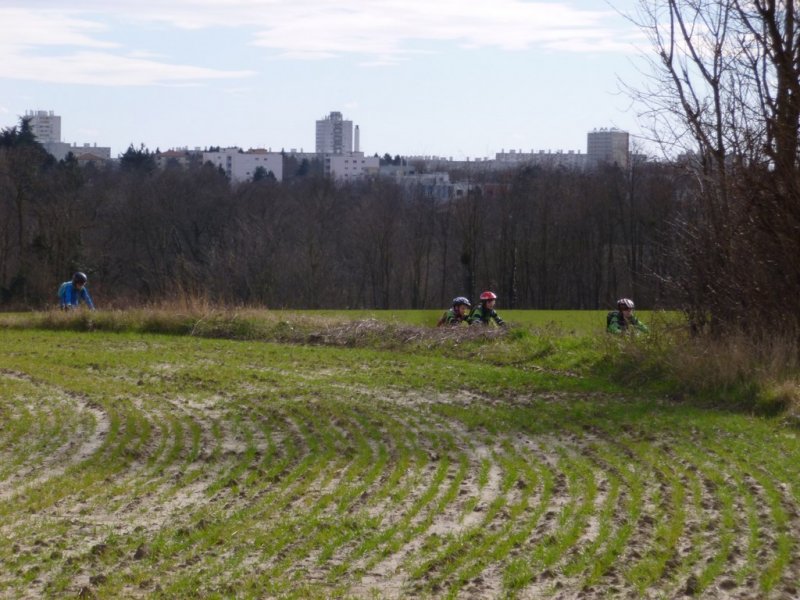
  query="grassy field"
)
[
  {"x": 583, "y": 322},
  {"x": 307, "y": 455}
]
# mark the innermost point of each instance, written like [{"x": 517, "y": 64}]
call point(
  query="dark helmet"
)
[
  {"x": 625, "y": 303},
  {"x": 462, "y": 300},
  {"x": 487, "y": 295},
  {"x": 79, "y": 277}
]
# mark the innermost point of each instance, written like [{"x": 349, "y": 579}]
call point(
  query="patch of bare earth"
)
[{"x": 81, "y": 443}]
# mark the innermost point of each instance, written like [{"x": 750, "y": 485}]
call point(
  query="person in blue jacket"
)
[{"x": 71, "y": 293}]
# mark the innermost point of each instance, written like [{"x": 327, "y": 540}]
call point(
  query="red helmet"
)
[{"x": 487, "y": 295}]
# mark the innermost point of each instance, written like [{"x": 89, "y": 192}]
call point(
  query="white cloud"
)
[
  {"x": 40, "y": 40},
  {"x": 61, "y": 48},
  {"x": 388, "y": 28},
  {"x": 23, "y": 27},
  {"x": 323, "y": 28},
  {"x": 95, "y": 68}
]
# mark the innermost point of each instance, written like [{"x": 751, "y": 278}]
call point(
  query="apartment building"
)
[
  {"x": 350, "y": 166},
  {"x": 608, "y": 146},
  {"x": 182, "y": 157},
  {"x": 334, "y": 135},
  {"x": 46, "y": 128},
  {"x": 240, "y": 165},
  {"x": 45, "y": 125},
  {"x": 559, "y": 158}
]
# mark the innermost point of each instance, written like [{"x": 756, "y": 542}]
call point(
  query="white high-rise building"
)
[
  {"x": 608, "y": 145},
  {"x": 45, "y": 125},
  {"x": 46, "y": 128},
  {"x": 334, "y": 135}
]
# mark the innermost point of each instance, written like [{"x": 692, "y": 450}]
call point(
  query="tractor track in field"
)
[
  {"x": 42, "y": 460},
  {"x": 369, "y": 494}
]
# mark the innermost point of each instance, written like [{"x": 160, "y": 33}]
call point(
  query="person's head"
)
[
  {"x": 461, "y": 305},
  {"x": 625, "y": 306},
  {"x": 79, "y": 279},
  {"x": 488, "y": 299}
]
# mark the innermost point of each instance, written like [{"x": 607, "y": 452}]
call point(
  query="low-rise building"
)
[
  {"x": 60, "y": 150},
  {"x": 177, "y": 157},
  {"x": 350, "y": 166},
  {"x": 436, "y": 186},
  {"x": 397, "y": 172},
  {"x": 240, "y": 165},
  {"x": 89, "y": 158},
  {"x": 544, "y": 158}
]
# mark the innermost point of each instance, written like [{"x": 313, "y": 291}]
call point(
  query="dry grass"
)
[
  {"x": 739, "y": 371},
  {"x": 203, "y": 320}
]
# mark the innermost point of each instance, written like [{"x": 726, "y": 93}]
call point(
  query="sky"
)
[{"x": 453, "y": 78}]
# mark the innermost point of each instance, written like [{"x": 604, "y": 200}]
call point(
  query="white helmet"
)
[{"x": 625, "y": 303}]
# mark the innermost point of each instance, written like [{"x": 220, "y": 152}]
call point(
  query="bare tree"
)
[
  {"x": 419, "y": 234},
  {"x": 725, "y": 88}
]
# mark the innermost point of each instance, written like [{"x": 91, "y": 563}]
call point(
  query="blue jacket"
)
[{"x": 70, "y": 297}]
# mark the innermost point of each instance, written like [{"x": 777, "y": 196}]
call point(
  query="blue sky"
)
[{"x": 459, "y": 78}]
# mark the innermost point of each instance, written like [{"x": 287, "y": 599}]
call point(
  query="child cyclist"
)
[
  {"x": 72, "y": 293},
  {"x": 484, "y": 313},
  {"x": 457, "y": 314},
  {"x": 623, "y": 320}
]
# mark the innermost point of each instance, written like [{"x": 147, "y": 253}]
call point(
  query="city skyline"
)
[{"x": 454, "y": 79}]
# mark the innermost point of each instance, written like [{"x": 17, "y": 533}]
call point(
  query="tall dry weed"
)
[
  {"x": 733, "y": 358},
  {"x": 759, "y": 373}
]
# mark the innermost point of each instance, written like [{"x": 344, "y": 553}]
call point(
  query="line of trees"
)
[{"x": 541, "y": 238}]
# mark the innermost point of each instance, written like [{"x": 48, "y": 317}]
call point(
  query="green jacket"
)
[
  {"x": 483, "y": 316},
  {"x": 451, "y": 317},
  {"x": 615, "y": 323}
]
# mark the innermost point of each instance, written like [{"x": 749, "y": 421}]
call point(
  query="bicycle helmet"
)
[
  {"x": 487, "y": 295},
  {"x": 625, "y": 303},
  {"x": 79, "y": 277},
  {"x": 462, "y": 300}
]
